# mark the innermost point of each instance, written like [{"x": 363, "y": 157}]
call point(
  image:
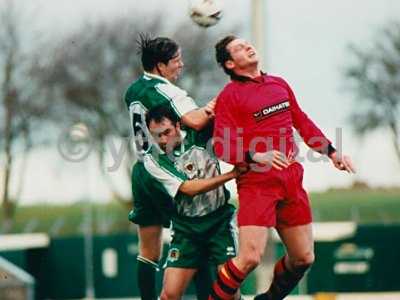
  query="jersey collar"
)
[
  {"x": 150, "y": 76},
  {"x": 258, "y": 79}
]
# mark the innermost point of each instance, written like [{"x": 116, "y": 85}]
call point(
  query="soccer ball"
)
[{"x": 206, "y": 13}]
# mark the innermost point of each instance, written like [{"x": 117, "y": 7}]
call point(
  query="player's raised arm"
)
[
  {"x": 198, "y": 186},
  {"x": 311, "y": 134},
  {"x": 314, "y": 137},
  {"x": 184, "y": 106},
  {"x": 199, "y": 118}
]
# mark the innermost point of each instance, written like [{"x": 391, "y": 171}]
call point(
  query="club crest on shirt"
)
[
  {"x": 190, "y": 169},
  {"x": 173, "y": 254}
]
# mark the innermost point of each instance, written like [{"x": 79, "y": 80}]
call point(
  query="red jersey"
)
[{"x": 258, "y": 115}]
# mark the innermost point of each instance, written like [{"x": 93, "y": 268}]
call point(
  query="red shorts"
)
[{"x": 274, "y": 198}]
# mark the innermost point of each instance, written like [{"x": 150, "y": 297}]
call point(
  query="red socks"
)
[
  {"x": 284, "y": 281},
  {"x": 228, "y": 281}
]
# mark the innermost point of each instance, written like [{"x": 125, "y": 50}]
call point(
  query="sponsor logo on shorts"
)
[
  {"x": 271, "y": 110},
  {"x": 230, "y": 251},
  {"x": 173, "y": 254}
]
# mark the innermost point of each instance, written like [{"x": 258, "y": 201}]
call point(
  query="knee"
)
[
  {"x": 150, "y": 242},
  {"x": 304, "y": 261},
  {"x": 251, "y": 258},
  {"x": 168, "y": 294},
  {"x": 150, "y": 252},
  {"x": 163, "y": 296}
]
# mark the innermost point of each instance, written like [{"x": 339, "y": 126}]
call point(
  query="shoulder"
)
[
  {"x": 131, "y": 91},
  {"x": 203, "y": 137},
  {"x": 276, "y": 79},
  {"x": 228, "y": 92},
  {"x": 196, "y": 138},
  {"x": 154, "y": 163},
  {"x": 148, "y": 92},
  {"x": 162, "y": 169},
  {"x": 168, "y": 89},
  {"x": 137, "y": 90},
  {"x": 230, "y": 87},
  {"x": 231, "y": 96}
]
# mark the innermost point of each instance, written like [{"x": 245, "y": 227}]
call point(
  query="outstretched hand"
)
[{"x": 342, "y": 162}]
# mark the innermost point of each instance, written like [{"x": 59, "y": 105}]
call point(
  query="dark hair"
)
[
  {"x": 160, "y": 112},
  {"x": 222, "y": 54},
  {"x": 155, "y": 50}
]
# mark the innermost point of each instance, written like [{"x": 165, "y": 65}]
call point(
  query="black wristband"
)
[
  {"x": 330, "y": 150},
  {"x": 248, "y": 157}
]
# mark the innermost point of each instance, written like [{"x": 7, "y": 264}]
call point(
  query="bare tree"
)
[
  {"x": 18, "y": 109},
  {"x": 375, "y": 79},
  {"x": 86, "y": 74},
  {"x": 89, "y": 71}
]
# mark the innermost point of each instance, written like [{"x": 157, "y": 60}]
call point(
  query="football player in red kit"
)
[{"x": 254, "y": 119}]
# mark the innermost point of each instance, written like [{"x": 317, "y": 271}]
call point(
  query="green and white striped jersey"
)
[
  {"x": 147, "y": 92},
  {"x": 190, "y": 160}
]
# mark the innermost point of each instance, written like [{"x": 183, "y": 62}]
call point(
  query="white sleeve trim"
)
[
  {"x": 166, "y": 178},
  {"x": 180, "y": 101}
]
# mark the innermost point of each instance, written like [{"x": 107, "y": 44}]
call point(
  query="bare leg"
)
[
  {"x": 150, "y": 242},
  {"x": 299, "y": 244},
  {"x": 290, "y": 269},
  {"x": 252, "y": 242},
  {"x": 175, "y": 283}
]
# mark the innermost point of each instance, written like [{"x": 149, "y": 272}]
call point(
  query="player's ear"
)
[
  {"x": 161, "y": 67},
  {"x": 178, "y": 126},
  {"x": 229, "y": 64}
]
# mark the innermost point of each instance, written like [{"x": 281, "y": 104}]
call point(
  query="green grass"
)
[
  {"x": 360, "y": 205},
  {"x": 62, "y": 220},
  {"x": 363, "y": 205}
]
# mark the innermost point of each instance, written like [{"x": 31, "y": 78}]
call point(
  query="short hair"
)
[
  {"x": 222, "y": 55},
  {"x": 160, "y": 112},
  {"x": 155, "y": 50}
]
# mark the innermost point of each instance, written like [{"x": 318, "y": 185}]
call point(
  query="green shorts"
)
[
  {"x": 150, "y": 205},
  {"x": 144, "y": 216},
  {"x": 212, "y": 238}
]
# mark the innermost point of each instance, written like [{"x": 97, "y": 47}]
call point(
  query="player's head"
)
[
  {"x": 164, "y": 126},
  {"x": 161, "y": 56},
  {"x": 235, "y": 55}
]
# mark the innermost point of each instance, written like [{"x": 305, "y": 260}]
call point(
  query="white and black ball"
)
[{"x": 206, "y": 13}]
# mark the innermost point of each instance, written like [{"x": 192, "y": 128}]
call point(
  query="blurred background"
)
[{"x": 66, "y": 155}]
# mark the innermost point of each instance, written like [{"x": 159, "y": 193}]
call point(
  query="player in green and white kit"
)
[
  {"x": 182, "y": 168},
  {"x": 162, "y": 64}
]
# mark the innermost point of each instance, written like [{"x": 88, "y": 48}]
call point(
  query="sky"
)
[{"x": 306, "y": 43}]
